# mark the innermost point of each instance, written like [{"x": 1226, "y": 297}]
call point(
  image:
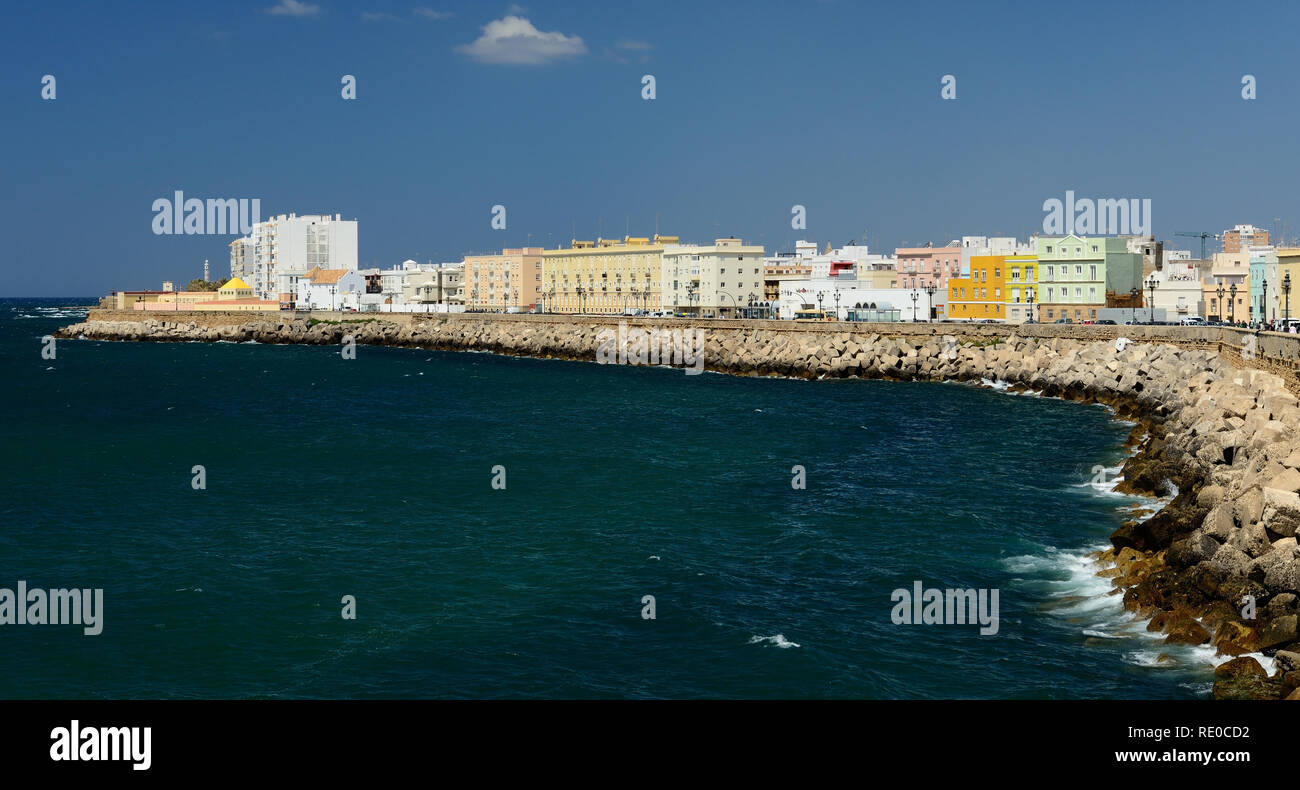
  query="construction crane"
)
[{"x": 1202, "y": 237}]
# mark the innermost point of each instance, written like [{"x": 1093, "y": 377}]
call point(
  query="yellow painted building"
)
[
  {"x": 605, "y": 276},
  {"x": 1227, "y": 270},
  {"x": 982, "y": 294},
  {"x": 161, "y": 300},
  {"x": 1288, "y": 263},
  {"x": 1021, "y": 287},
  {"x": 235, "y": 289}
]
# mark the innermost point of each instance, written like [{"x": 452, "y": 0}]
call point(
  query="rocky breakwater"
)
[
  {"x": 1232, "y": 580},
  {"x": 1218, "y": 565}
]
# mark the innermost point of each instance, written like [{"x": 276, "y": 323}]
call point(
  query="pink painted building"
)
[{"x": 922, "y": 266}]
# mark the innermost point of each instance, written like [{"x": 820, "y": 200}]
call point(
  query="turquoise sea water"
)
[{"x": 372, "y": 477}]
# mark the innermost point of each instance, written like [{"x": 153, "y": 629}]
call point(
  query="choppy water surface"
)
[{"x": 372, "y": 477}]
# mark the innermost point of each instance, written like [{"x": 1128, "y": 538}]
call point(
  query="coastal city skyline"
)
[
  {"x": 447, "y": 123},
  {"x": 1242, "y": 275},
  {"x": 414, "y": 351}
]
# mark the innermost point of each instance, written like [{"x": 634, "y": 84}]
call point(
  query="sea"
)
[{"x": 274, "y": 521}]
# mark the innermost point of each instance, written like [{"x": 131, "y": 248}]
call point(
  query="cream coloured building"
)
[
  {"x": 509, "y": 281},
  {"x": 721, "y": 279},
  {"x": 605, "y": 276}
]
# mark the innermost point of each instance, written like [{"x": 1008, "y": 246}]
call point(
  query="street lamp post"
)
[
  {"x": 1286, "y": 291},
  {"x": 735, "y": 305},
  {"x": 1151, "y": 286},
  {"x": 837, "y": 304},
  {"x": 1263, "y": 302},
  {"x": 1220, "y": 293},
  {"x": 1031, "y": 306},
  {"x": 1232, "y": 304},
  {"x": 915, "y": 295},
  {"x": 1135, "y": 294},
  {"x": 930, "y": 290},
  {"x": 820, "y": 295}
]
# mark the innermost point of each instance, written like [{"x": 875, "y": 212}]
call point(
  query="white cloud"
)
[
  {"x": 429, "y": 13},
  {"x": 640, "y": 46},
  {"x": 294, "y": 8},
  {"x": 377, "y": 16},
  {"x": 514, "y": 40}
]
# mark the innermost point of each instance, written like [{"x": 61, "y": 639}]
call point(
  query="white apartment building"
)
[
  {"x": 851, "y": 299},
  {"x": 837, "y": 260},
  {"x": 241, "y": 258},
  {"x": 1178, "y": 289},
  {"x": 992, "y": 245},
  {"x": 720, "y": 279},
  {"x": 289, "y": 244}
]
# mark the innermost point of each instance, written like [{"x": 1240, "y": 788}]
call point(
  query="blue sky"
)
[{"x": 759, "y": 106}]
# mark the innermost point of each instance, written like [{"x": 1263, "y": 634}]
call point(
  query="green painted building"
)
[{"x": 1076, "y": 273}]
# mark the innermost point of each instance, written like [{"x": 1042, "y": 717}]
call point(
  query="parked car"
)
[
  {"x": 1064, "y": 321},
  {"x": 1106, "y": 321}
]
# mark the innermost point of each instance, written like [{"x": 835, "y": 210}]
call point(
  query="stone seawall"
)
[{"x": 1219, "y": 431}]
